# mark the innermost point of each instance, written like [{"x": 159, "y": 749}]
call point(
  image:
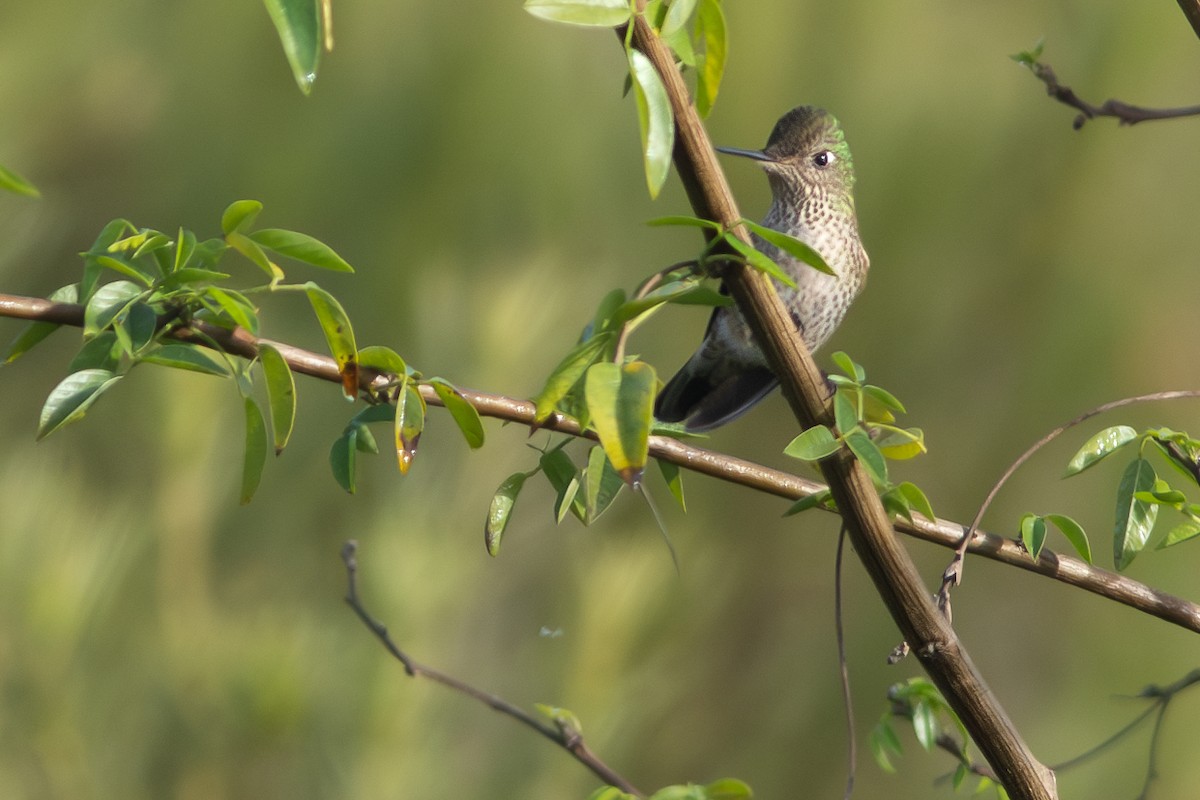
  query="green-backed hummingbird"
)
[{"x": 808, "y": 165}]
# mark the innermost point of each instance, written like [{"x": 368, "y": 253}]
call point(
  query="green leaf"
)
[
  {"x": 814, "y": 444},
  {"x": 15, "y": 183},
  {"x": 70, "y": 400},
  {"x": 610, "y": 793},
  {"x": 255, "y": 456},
  {"x": 684, "y": 221},
  {"x": 384, "y": 359},
  {"x": 1103, "y": 444},
  {"x": 710, "y": 29},
  {"x": 678, "y": 14},
  {"x": 191, "y": 275},
  {"x": 1135, "y": 518},
  {"x": 239, "y": 215},
  {"x": 301, "y": 247},
  {"x": 560, "y": 471},
  {"x": 568, "y": 372},
  {"x": 620, "y": 401},
  {"x": 298, "y": 23},
  {"x": 108, "y": 301},
  {"x": 1073, "y": 531},
  {"x": 142, "y": 323},
  {"x": 501, "y": 510},
  {"x": 848, "y": 366},
  {"x": 883, "y": 397},
  {"x": 810, "y": 501},
  {"x": 868, "y": 454},
  {"x": 917, "y": 499},
  {"x": 1188, "y": 529},
  {"x": 760, "y": 261},
  {"x": 790, "y": 245},
  {"x": 281, "y": 394},
  {"x": 674, "y": 478},
  {"x": 99, "y": 352},
  {"x": 339, "y": 334},
  {"x": 185, "y": 245},
  {"x": 902, "y": 443},
  {"x": 1033, "y": 534},
  {"x": 925, "y": 725},
  {"x": 463, "y": 413},
  {"x": 409, "y": 423},
  {"x": 342, "y": 458},
  {"x": 185, "y": 356},
  {"x": 728, "y": 789},
  {"x": 845, "y": 412},
  {"x": 603, "y": 484},
  {"x": 251, "y": 250},
  {"x": 655, "y": 121},
  {"x": 884, "y": 741},
  {"x": 125, "y": 268},
  {"x": 35, "y": 332},
  {"x": 598, "y": 13},
  {"x": 236, "y": 306}
]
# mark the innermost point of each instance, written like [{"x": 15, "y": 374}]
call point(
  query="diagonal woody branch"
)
[
  {"x": 945, "y": 533},
  {"x": 892, "y": 571}
]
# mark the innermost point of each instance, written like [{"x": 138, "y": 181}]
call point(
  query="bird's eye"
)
[{"x": 824, "y": 159}]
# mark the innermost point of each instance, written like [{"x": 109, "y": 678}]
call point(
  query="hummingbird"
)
[{"x": 808, "y": 165}]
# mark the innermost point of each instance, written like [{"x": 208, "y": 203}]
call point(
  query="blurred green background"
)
[{"x": 480, "y": 169}]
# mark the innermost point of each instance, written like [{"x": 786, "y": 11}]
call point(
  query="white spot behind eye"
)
[{"x": 824, "y": 158}]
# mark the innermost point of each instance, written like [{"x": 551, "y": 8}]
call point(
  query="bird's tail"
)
[{"x": 703, "y": 397}]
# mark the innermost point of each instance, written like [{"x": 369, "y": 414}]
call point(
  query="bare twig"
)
[
  {"x": 1191, "y": 10},
  {"x": 1124, "y": 113},
  {"x": 844, "y": 669},
  {"x": 563, "y": 735},
  {"x": 944, "y": 533}
]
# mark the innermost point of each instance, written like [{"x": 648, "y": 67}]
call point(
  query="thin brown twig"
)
[
  {"x": 844, "y": 669},
  {"x": 1124, "y": 113},
  {"x": 730, "y": 469},
  {"x": 562, "y": 734}
]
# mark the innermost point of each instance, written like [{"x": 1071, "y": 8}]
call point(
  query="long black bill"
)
[{"x": 757, "y": 155}]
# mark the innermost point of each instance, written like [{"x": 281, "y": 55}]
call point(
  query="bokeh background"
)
[{"x": 480, "y": 169}]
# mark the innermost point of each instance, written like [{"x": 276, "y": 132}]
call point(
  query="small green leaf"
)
[
  {"x": 298, "y": 23},
  {"x": 884, "y": 741},
  {"x": 727, "y": 789},
  {"x": 125, "y": 268},
  {"x": 142, "y": 324},
  {"x": 901, "y": 444},
  {"x": 281, "y": 394},
  {"x": 814, "y": 444},
  {"x": 185, "y": 245},
  {"x": 845, "y": 412},
  {"x": 678, "y": 14},
  {"x": 35, "y": 332},
  {"x": 409, "y": 423},
  {"x": 108, "y": 301},
  {"x": 760, "y": 261},
  {"x": 15, "y": 183},
  {"x": 339, "y": 334},
  {"x": 917, "y": 499},
  {"x": 868, "y": 455},
  {"x": 255, "y": 456},
  {"x": 560, "y": 471},
  {"x": 301, "y": 247},
  {"x": 99, "y": 352},
  {"x": 925, "y": 725},
  {"x": 883, "y": 397},
  {"x": 71, "y": 399},
  {"x": 342, "y": 458},
  {"x": 1103, "y": 444},
  {"x": 681, "y": 220},
  {"x": 463, "y": 413},
  {"x": 501, "y": 510},
  {"x": 1188, "y": 529},
  {"x": 710, "y": 29},
  {"x": 384, "y": 359},
  {"x": 234, "y": 305},
  {"x": 239, "y": 215},
  {"x": 603, "y": 484},
  {"x": 191, "y": 275},
  {"x": 790, "y": 245},
  {"x": 185, "y": 356},
  {"x": 1135, "y": 518},
  {"x": 610, "y": 793},
  {"x": 251, "y": 250},
  {"x": 568, "y": 372},
  {"x": 598, "y": 13},
  {"x": 810, "y": 501},
  {"x": 1033, "y": 534},
  {"x": 620, "y": 401},
  {"x": 1073, "y": 531},
  {"x": 655, "y": 121},
  {"x": 848, "y": 366},
  {"x": 674, "y": 478}
]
